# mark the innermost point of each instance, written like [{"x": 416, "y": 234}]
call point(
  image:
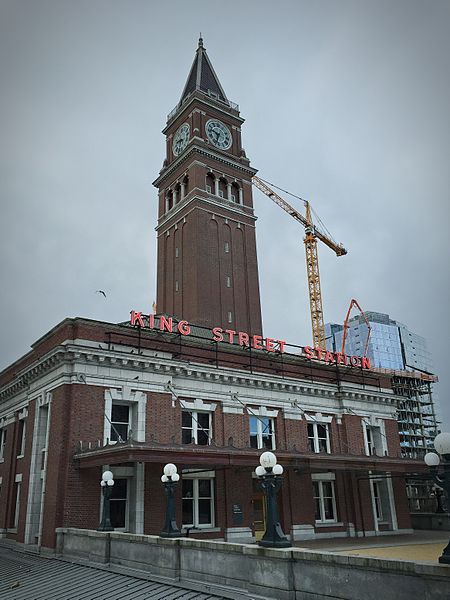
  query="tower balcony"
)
[{"x": 212, "y": 99}]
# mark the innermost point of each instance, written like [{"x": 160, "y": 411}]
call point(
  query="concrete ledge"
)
[{"x": 244, "y": 570}]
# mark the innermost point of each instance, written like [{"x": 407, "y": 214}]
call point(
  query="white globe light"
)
[
  {"x": 102, "y": 483},
  {"x": 170, "y": 469},
  {"x": 110, "y": 482},
  {"x": 431, "y": 459},
  {"x": 164, "y": 478},
  {"x": 260, "y": 471},
  {"x": 107, "y": 475},
  {"x": 175, "y": 477},
  {"x": 277, "y": 470},
  {"x": 442, "y": 443},
  {"x": 268, "y": 460}
]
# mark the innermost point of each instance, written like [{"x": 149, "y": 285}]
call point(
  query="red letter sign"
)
[
  {"x": 136, "y": 316},
  {"x": 183, "y": 328}
]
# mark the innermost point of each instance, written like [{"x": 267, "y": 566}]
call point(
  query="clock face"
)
[
  {"x": 180, "y": 139},
  {"x": 218, "y": 134}
]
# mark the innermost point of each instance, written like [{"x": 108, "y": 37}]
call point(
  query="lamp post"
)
[
  {"x": 269, "y": 474},
  {"x": 442, "y": 478},
  {"x": 170, "y": 478},
  {"x": 107, "y": 483}
]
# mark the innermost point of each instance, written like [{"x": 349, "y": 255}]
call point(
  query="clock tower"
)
[{"x": 207, "y": 264}]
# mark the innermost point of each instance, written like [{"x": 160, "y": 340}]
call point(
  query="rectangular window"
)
[
  {"x": 21, "y": 438},
  {"x": 227, "y": 247},
  {"x": 228, "y": 281},
  {"x": 196, "y": 427},
  {"x": 118, "y": 504},
  {"x": 120, "y": 422},
  {"x": 177, "y": 252},
  {"x": 221, "y": 193},
  {"x": 230, "y": 317},
  {"x": 262, "y": 433},
  {"x": 377, "y": 500},
  {"x": 370, "y": 444},
  {"x": 233, "y": 198},
  {"x": 373, "y": 440},
  {"x": 198, "y": 502},
  {"x": 177, "y": 287},
  {"x": 2, "y": 443},
  {"x": 209, "y": 189},
  {"x": 325, "y": 501},
  {"x": 319, "y": 437}
]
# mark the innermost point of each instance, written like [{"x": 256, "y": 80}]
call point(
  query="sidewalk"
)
[{"x": 420, "y": 546}]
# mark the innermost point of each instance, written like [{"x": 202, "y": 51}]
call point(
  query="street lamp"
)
[
  {"x": 169, "y": 478},
  {"x": 442, "y": 478},
  {"x": 269, "y": 474},
  {"x": 107, "y": 482}
]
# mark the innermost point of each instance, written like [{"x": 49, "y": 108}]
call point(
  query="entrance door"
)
[{"x": 119, "y": 504}]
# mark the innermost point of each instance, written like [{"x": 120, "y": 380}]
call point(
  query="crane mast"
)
[{"x": 312, "y": 234}]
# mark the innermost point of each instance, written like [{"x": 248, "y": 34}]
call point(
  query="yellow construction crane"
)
[{"x": 312, "y": 260}]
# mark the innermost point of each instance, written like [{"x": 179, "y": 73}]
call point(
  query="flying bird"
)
[{"x": 100, "y": 292}]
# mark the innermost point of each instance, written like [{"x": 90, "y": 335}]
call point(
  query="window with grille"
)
[
  {"x": 198, "y": 502},
  {"x": 377, "y": 500},
  {"x": 120, "y": 422},
  {"x": 2, "y": 442},
  {"x": 325, "y": 501},
  {"x": 118, "y": 504},
  {"x": 262, "y": 432},
  {"x": 21, "y": 438},
  {"x": 319, "y": 437},
  {"x": 195, "y": 427}
]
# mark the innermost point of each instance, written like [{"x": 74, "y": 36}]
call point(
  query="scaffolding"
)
[{"x": 416, "y": 417}]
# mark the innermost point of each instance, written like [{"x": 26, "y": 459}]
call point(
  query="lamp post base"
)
[
  {"x": 171, "y": 534},
  {"x": 275, "y": 543},
  {"x": 445, "y": 557},
  {"x": 105, "y": 528}
]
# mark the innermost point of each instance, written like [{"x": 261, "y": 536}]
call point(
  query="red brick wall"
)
[
  {"x": 392, "y": 437},
  {"x": 72, "y": 495},
  {"x": 401, "y": 503},
  {"x": 163, "y": 419},
  {"x": 352, "y": 435}
]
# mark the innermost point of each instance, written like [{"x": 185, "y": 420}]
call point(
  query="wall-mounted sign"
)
[{"x": 241, "y": 338}]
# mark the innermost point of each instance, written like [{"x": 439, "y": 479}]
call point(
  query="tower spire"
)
[{"x": 202, "y": 76}]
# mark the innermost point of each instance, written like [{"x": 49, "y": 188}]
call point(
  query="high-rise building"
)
[
  {"x": 394, "y": 347},
  {"x": 207, "y": 265}
]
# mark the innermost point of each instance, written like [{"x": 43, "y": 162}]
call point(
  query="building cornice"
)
[
  {"x": 215, "y": 207},
  {"x": 207, "y": 153},
  {"x": 85, "y": 361}
]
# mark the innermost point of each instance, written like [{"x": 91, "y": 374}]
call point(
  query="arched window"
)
[
  {"x": 223, "y": 188},
  {"x": 169, "y": 200},
  {"x": 210, "y": 183},
  {"x": 177, "y": 194},
  {"x": 185, "y": 186},
  {"x": 235, "y": 193}
]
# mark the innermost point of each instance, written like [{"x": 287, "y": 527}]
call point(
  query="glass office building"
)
[{"x": 393, "y": 346}]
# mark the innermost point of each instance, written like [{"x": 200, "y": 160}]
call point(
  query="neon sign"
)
[{"x": 241, "y": 338}]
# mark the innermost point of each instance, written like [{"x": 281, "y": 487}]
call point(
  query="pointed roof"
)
[{"x": 203, "y": 77}]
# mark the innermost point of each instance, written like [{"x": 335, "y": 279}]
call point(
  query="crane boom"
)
[
  {"x": 261, "y": 185},
  {"x": 312, "y": 259}
]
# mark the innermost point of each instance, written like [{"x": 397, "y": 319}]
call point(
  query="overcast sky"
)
[{"x": 346, "y": 104}]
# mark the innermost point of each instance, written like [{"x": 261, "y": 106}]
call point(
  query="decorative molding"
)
[{"x": 207, "y": 153}]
